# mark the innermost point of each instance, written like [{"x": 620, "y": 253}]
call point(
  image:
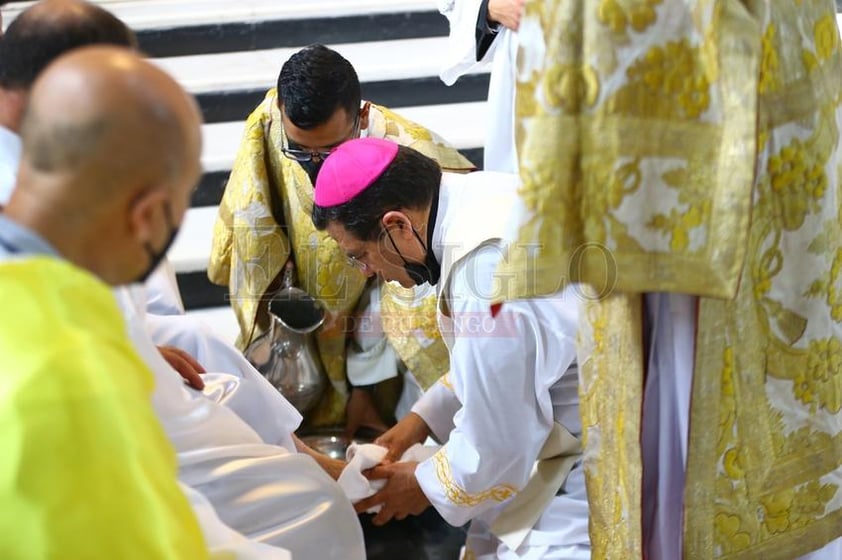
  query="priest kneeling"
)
[{"x": 508, "y": 412}]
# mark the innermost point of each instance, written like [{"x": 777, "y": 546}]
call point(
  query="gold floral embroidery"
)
[
  {"x": 769, "y": 79},
  {"x": 571, "y": 87},
  {"x": 619, "y": 183},
  {"x": 678, "y": 224},
  {"x": 826, "y": 42},
  {"x": 819, "y": 384},
  {"x": 459, "y": 496},
  {"x": 611, "y": 373},
  {"x": 834, "y": 289},
  {"x": 638, "y": 14},
  {"x": 410, "y": 325},
  {"x": 671, "y": 81},
  {"x": 730, "y": 533},
  {"x": 796, "y": 508},
  {"x": 445, "y": 380},
  {"x": 826, "y": 36},
  {"x": 809, "y": 59},
  {"x": 829, "y": 285},
  {"x": 798, "y": 180}
]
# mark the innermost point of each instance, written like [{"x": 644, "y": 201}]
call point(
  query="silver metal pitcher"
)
[{"x": 287, "y": 354}]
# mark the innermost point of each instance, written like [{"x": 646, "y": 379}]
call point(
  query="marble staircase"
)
[{"x": 229, "y": 53}]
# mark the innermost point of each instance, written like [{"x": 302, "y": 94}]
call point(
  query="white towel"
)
[{"x": 363, "y": 456}]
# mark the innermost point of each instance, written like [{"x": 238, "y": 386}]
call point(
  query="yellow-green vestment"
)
[{"x": 87, "y": 470}]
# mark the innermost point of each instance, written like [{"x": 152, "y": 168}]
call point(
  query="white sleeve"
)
[
  {"x": 461, "y": 57},
  {"x": 369, "y": 357},
  {"x": 162, "y": 294},
  {"x": 500, "y": 373},
  {"x": 437, "y": 407}
]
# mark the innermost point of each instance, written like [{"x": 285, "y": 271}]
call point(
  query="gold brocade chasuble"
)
[
  {"x": 693, "y": 147},
  {"x": 264, "y": 218}
]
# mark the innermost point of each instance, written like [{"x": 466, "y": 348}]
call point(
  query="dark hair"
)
[
  {"x": 314, "y": 83},
  {"x": 38, "y": 36},
  {"x": 410, "y": 182}
]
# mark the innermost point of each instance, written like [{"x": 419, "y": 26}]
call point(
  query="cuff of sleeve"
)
[
  {"x": 431, "y": 408},
  {"x": 428, "y": 480},
  {"x": 485, "y": 31}
]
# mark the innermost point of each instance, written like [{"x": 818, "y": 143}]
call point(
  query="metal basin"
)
[{"x": 332, "y": 443}]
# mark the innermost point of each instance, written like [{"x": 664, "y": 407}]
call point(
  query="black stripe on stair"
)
[
  {"x": 210, "y": 189},
  {"x": 241, "y": 36},
  {"x": 197, "y": 292},
  {"x": 212, "y": 185},
  {"x": 225, "y": 106}
]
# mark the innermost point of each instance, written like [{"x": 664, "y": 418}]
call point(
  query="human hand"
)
[
  {"x": 506, "y": 12},
  {"x": 402, "y": 495},
  {"x": 360, "y": 411},
  {"x": 185, "y": 365},
  {"x": 410, "y": 430}
]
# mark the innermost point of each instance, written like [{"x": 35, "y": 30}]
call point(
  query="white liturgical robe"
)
[
  {"x": 512, "y": 376},
  {"x": 239, "y": 386},
  {"x": 270, "y": 494}
]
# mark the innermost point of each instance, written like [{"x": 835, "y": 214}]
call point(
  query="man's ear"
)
[
  {"x": 397, "y": 223},
  {"x": 364, "y": 115},
  {"x": 145, "y": 211},
  {"x": 14, "y": 103}
]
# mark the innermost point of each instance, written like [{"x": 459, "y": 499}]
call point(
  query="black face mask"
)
[
  {"x": 155, "y": 257},
  {"x": 312, "y": 169},
  {"x": 428, "y": 271}
]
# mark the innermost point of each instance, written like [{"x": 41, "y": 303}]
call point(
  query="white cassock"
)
[
  {"x": 500, "y": 153},
  {"x": 269, "y": 493},
  {"x": 511, "y": 378}
]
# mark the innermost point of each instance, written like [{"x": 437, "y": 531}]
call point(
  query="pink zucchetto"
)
[{"x": 351, "y": 168}]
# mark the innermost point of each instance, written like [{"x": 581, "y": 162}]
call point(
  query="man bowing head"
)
[{"x": 395, "y": 213}]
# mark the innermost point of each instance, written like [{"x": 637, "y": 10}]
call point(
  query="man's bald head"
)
[
  {"x": 109, "y": 112},
  {"x": 50, "y": 28},
  {"x": 110, "y": 141}
]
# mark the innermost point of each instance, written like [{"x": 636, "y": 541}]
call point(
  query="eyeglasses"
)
[
  {"x": 356, "y": 261},
  {"x": 303, "y": 156}
]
